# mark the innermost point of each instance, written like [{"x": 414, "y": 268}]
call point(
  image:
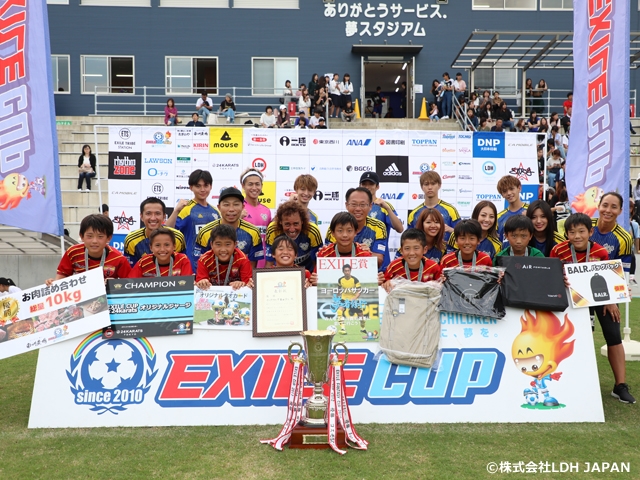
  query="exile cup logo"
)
[{"x": 111, "y": 375}]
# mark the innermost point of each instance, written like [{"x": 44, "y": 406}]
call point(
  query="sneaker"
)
[
  {"x": 79, "y": 189},
  {"x": 621, "y": 392},
  {"x": 342, "y": 331},
  {"x": 446, "y": 117}
]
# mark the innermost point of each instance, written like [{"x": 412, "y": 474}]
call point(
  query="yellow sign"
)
[
  {"x": 268, "y": 197},
  {"x": 8, "y": 309},
  {"x": 225, "y": 140}
]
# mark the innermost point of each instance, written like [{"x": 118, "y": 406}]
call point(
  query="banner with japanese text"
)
[
  {"x": 29, "y": 170},
  {"x": 45, "y": 315},
  {"x": 598, "y": 160},
  {"x": 597, "y": 283},
  {"x": 348, "y": 301},
  {"x": 223, "y": 308}
]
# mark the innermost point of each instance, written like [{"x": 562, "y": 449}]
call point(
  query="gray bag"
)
[{"x": 410, "y": 332}]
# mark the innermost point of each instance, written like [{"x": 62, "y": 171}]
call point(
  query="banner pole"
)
[
  {"x": 62, "y": 250},
  {"x": 95, "y": 141}
]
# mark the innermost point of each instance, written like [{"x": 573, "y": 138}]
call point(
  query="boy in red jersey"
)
[
  {"x": 579, "y": 249},
  {"x": 96, "y": 232},
  {"x": 413, "y": 265},
  {"x": 468, "y": 234},
  {"x": 163, "y": 261},
  {"x": 344, "y": 227},
  {"x": 224, "y": 264}
]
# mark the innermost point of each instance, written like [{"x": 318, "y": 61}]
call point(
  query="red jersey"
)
[
  {"x": 597, "y": 253},
  {"x": 430, "y": 270},
  {"x": 240, "y": 269},
  {"x": 451, "y": 260},
  {"x": 330, "y": 251},
  {"x": 115, "y": 264},
  {"x": 146, "y": 267}
]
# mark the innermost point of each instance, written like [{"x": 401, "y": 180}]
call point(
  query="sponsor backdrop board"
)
[
  {"x": 153, "y": 161},
  {"x": 228, "y": 377}
]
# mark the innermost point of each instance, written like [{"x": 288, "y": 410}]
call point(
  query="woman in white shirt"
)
[
  {"x": 268, "y": 119},
  {"x": 7, "y": 287},
  {"x": 86, "y": 167},
  {"x": 346, "y": 89},
  {"x": 304, "y": 103}
]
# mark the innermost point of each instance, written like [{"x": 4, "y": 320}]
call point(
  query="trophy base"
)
[{"x": 315, "y": 437}]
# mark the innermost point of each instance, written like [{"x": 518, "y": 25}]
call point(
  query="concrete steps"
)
[{"x": 394, "y": 123}]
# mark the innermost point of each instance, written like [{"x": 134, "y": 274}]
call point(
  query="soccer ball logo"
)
[
  {"x": 113, "y": 364},
  {"x": 158, "y": 137}
]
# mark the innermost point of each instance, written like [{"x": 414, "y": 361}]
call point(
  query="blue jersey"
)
[
  {"x": 617, "y": 243},
  {"x": 136, "y": 244},
  {"x": 313, "y": 218},
  {"x": 489, "y": 245},
  {"x": 504, "y": 215},
  {"x": 374, "y": 236},
  {"x": 448, "y": 211},
  {"x": 190, "y": 220},
  {"x": 308, "y": 245},
  {"x": 382, "y": 214},
  {"x": 249, "y": 240}
]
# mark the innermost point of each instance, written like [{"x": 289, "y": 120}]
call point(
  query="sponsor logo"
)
[
  {"x": 108, "y": 376},
  {"x": 124, "y": 133},
  {"x": 418, "y": 196},
  {"x": 293, "y": 142},
  {"x": 521, "y": 172},
  {"x": 327, "y": 196},
  {"x": 464, "y": 164},
  {"x": 225, "y": 142},
  {"x": 157, "y": 188},
  {"x": 259, "y": 164},
  {"x": 165, "y": 161},
  {"x": 125, "y": 166},
  {"x": 465, "y": 190},
  {"x": 424, "y": 142},
  {"x": 448, "y": 163},
  {"x": 447, "y": 177},
  {"x": 464, "y": 136},
  {"x": 259, "y": 139},
  {"x": 448, "y": 136},
  {"x": 488, "y": 168},
  {"x": 225, "y": 165},
  {"x": 160, "y": 138},
  {"x": 122, "y": 193},
  {"x": 358, "y": 168},
  {"x": 464, "y": 177},
  {"x": 183, "y": 160},
  {"x": 448, "y": 150},
  {"x": 464, "y": 203},
  {"x": 154, "y": 172},
  {"x": 317, "y": 141},
  {"x": 123, "y": 222},
  {"x": 488, "y": 196},
  {"x": 392, "y": 196},
  {"x": 488, "y": 144},
  {"x": 464, "y": 150},
  {"x": 182, "y": 187},
  {"x": 392, "y": 142},
  {"x": 358, "y": 142},
  {"x": 392, "y": 171},
  {"x": 427, "y": 167}
]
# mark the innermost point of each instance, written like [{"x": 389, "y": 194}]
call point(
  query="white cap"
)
[{"x": 282, "y": 107}]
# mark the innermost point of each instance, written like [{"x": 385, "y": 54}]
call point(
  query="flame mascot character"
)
[
  {"x": 538, "y": 350},
  {"x": 588, "y": 201},
  {"x": 13, "y": 189}
]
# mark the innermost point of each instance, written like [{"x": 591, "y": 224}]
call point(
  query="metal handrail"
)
[{"x": 460, "y": 114}]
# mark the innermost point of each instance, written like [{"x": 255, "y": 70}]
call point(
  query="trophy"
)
[{"x": 317, "y": 346}]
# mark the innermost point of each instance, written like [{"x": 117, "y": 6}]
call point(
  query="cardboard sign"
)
[{"x": 597, "y": 283}]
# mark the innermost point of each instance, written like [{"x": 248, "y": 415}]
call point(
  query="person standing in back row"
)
[
  {"x": 346, "y": 89},
  {"x": 447, "y": 89},
  {"x": 335, "y": 95}
]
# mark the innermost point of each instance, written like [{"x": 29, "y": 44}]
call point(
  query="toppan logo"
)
[
  {"x": 521, "y": 173},
  {"x": 225, "y": 142},
  {"x": 424, "y": 141},
  {"x": 111, "y": 375},
  {"x": 358, "y": 142}
]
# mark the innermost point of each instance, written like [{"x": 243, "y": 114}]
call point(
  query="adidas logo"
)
[{"x": 392, "y": 171}]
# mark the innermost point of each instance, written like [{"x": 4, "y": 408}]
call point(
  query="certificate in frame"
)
[{"x": 279, "y": 302}]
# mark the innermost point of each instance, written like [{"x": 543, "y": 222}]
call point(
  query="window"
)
[
  {"x": 270, "y": 74},
  {"x": 117, "y": 3},
  {"x": 60, "y": 73},
  {"x": 556, "y": 4},
  {"x": 107, "y": 74},
  {"x": 265, "y": 4},
  {"x": 505, "y": 4},
  {"x": 504, "y": 80},
  {"x": 58, "y": 2},
  {"x": 189, "y": 75},
  {"x": 195, "y": 3}
]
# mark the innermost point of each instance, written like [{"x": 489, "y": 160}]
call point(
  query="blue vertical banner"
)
[
  {"x": 29, "y": 171},
  {"x": 598, "y": 157}
]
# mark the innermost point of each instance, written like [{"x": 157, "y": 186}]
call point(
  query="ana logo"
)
[
  {"x": 521, "y": 173},
  {"x": 392, "y": 171},
  {"x": 157, "y": 188},
  {"x": 125, "y": 133},
  {"x": 489, "y": 168},
  {"x": 284, "y": 141},
  {"x": 359, "y": 142},
  {"x": 259, "y": 164},
  {"x": 392, "y": 196},
  {"x": 259, "y": 139},
  {"x": 123, "y": 222},
  {"x": 110, "y": 375}
]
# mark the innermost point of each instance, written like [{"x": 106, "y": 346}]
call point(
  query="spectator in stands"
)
[
  {"x": 287, "y": 92},
  {"x": 348, "y": 114},
  {"x": 378, "y": 101},
  {"x": 486, "y": 99},
  {"x": 528, "y": 87},
  {"x": 488, "y": 115},
  {"x": 554, "y": 120},
  {"x": 554, "y": 163},
  {"x": 86, "y": 167},
  {"x": 105, "y": 210},
  {"x": 505, "y": 115},
  {"x": 520, "y": 126},
  {"x": 557, "y": 140},
  {"x": 313, "y": 85},
  {"x": 8, "y": 287},
  {"x": 499, "y": 126},
  {"x": 541, "y": 164},
  {"x": 301, "y": 123},
  {"x": 301, "y": 89},
  {"x": 565, "y": 142},
  {"x": 436, "y": 90},
  {"x": 321, "y": 98},
  {"x": 496, "y": 101},
  {"x": 534, "y": 122},
  {"x": 346, "y": 89},
  {"x": 171, "y": 113},
  {"x": 459, "y": 87},
  {"x": 472, "y": 120},
  {"x": 433, "y": 112},
  {"x": 204, "y": 106},
  {"x": 544, "y": 125},
  {"x": 538, "y": 102},
  {"x": 447, "y": 96},
  {"x": 228, "y": 108},
  {"x": 321, "y": 124},
  {"x": 304, "y": 103},
  {"x": 195, "y": 121},
  {"x": 302, "y": 115},
  {"x": 368, "y": 109},
  {"x": 474, "y": 101},
  {"x": 335, "y": 95},
  {"x": 283, "y": 120},
  {"x": 315, "y": 120},
  {"x": 568, "y": 103},
  {"x": 566, "y": 120},
  {"x": 484, "y": 125},
  {"x": 268, "y": 119}
]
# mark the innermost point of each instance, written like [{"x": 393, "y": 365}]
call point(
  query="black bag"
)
[
  {"x": 535, "y": 283},
  {"x": 472, "y": 292},
  {"x": 599, "y": 289}
]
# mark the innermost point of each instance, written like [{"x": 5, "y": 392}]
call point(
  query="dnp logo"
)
[
  {"x": 488, "y": 144},
  {"x": 110, "y": 375},
  {"x": 250, "y": 378}
]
